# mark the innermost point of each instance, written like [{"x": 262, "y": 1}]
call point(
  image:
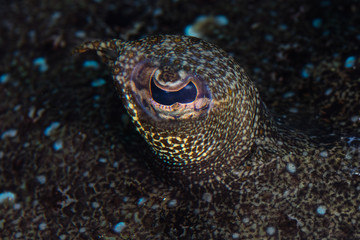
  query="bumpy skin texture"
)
[{"x": 234, "y": 171}]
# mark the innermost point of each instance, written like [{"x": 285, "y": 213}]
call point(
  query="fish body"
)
[{"x": 230, "y": 170}]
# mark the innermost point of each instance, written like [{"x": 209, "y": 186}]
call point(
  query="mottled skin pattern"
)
[{"x": 233, "y": 171}]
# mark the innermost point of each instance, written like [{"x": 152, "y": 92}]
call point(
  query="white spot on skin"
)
[
  {"x": 196, "y": 211},
  {"x": 321, "y": 210},
  {"x": 41, "y": 179},
  {"x": 235, "y": 235},
  {"x": 270, "y": 230},
  {"x": 119, "y": 227},
  {"x": 236, "y": 172},
  {"x": 354, "y": 171},
  {"x": 95, "y": 204},
  {"x": 17, "y": 206},
  {"x": 172, "y": 203},
  {"x": 42, "y": 226},
  {"x": 324, "y": 154},
  {"x": 207, "y": 197},
  {"x": 18, "y": 235},
  {"x": 286, "y": 193},
  {"x": 155, "y": 206},
  {"x": 291, "y": 168},
  {"x": 246, "y": 220}
]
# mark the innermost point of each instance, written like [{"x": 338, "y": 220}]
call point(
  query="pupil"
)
[{"x": 185, "y": 95}]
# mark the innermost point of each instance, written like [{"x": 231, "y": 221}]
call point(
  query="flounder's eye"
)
[
  {"x": 165, "y": 92},
  {"x": 165, "y": 95}
]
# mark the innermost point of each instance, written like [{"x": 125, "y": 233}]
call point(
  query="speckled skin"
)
[{"x": 232, "y": 171}]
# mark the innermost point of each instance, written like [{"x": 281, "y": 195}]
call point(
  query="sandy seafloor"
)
[{"x": 68, "y": 152}]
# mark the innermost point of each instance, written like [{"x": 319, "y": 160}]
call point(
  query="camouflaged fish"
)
[{"x": 233, "y": 172}]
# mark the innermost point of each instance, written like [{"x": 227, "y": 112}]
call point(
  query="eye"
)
[
  {"x": 187, "y": 94},
  {"x": 166, "y": 92}
]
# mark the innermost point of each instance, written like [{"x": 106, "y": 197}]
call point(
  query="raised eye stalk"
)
[{"x": 190, "y": 100}]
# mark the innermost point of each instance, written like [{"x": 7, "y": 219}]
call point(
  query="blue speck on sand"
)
[
  {"x": 141, "y": 201},
  {"x": 350, "y": 62},
  {"x": 306, "y": 71},
  {"x": 96, "y": 97},
  {"x": 9, "y": 133},
  {"x": 119, "y": 227},
  {"x": 283, "y": 27},
  {"x": 4, "y": 78},
  {"x": 91, "y": 64},
  {"x": 222, "y": 20},
  {"x": 288, "y": 94},
  {"x": 58, "y": 145},
  {"x": 317, "y": 22},
  {"x": 98, "y": 82},
  {"x": 7, "y": 196},
  {"x": 51, "y": 127},
  {"x": 269, "y": 38},
  {"x": 41, "y": 64}
]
